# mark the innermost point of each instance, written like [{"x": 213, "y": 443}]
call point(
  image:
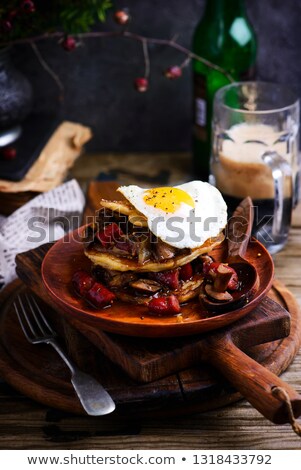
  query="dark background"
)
[{"x": 98, "y": 76}]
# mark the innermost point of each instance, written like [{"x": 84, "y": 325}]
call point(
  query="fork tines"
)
[{"x": 32, "y": 321}]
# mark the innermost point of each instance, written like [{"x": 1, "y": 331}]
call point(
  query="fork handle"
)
[
  {"x": 63, "y": 355},
  {"x": 94, "y": 398}
]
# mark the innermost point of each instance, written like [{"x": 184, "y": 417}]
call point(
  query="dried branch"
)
[
  {"x": 146, "y": 59},
  {"x": 124, "y": 33},
  {"x": 185, "y": 62},
  {"x": 127, "y": 34},
  {"x": 175, "y": 45},
  {"x": 48, "y": 69}
]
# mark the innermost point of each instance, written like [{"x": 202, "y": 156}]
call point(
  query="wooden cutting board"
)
[
  {"x": 149, "y": 359},
  {"x": 223, "y": 349}
]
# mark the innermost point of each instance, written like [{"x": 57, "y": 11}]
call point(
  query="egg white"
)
[{"x": 187, "y": 227}]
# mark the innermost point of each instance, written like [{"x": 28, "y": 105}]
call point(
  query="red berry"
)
[
  {"x": 186, "y": 272},
  {"x": 141, "y": 84},
  {"x": 122, "y": 17},
  {"x": 28, "y": 6},
  {"x": 9, "y": 153},
  {"x": 82, "y": 282},
  {"x": 164, "y": 305},
  {"x": 173, "y": 72},
  {"x": 69, "y": 43},
  {"x": 6, "y": 26},
  {"x": 168, "y": 278},
  {"x": 12, "y": 14},
  {"x": 99, "y": 295}
]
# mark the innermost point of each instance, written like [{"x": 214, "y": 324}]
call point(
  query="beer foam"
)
[{"x": 240, "y": 170}]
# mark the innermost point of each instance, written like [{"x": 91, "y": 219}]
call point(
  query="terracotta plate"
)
[{"x": 67, "y": 256}]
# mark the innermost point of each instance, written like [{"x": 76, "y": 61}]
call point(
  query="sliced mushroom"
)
[
  {"x": 137, "y": 219},
  {"x": 163, "y": 251},
  {"x": 222, "y": 278},
  {"x": 143, "y": 248},
  {"x": 118, "y": 279},
  {"x": 217, "y": 296},
  {"x": 146, "y": 285}
]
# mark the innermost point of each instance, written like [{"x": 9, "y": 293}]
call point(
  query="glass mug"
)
[{"x": 255, "y": 153}]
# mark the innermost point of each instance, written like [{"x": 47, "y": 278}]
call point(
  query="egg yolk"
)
[{"x": 168, "y": 199}]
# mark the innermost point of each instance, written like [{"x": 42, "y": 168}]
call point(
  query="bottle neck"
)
[{"x": 225, "y": 8}]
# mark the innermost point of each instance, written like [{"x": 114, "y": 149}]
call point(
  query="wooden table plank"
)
[{"x": 235, "y": 427}]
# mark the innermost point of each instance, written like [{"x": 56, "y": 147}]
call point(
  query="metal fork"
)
[{"x": 94, "y": 398}]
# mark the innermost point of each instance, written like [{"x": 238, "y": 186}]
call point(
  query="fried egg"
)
[{"x": 183, "y": 216}]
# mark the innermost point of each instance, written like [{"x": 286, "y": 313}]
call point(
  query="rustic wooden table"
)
[{"x": 25, "y": 424}]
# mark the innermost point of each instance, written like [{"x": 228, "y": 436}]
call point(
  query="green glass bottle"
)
[{"x": 225, "y": 37}]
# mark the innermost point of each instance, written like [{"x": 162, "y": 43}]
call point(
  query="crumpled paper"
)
[
  {"x": 44, "y": 219},
  {"x": 58, "y": 155}
]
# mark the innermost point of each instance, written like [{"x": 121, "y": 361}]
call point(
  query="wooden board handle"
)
[{"x": 253, "y": 381}]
